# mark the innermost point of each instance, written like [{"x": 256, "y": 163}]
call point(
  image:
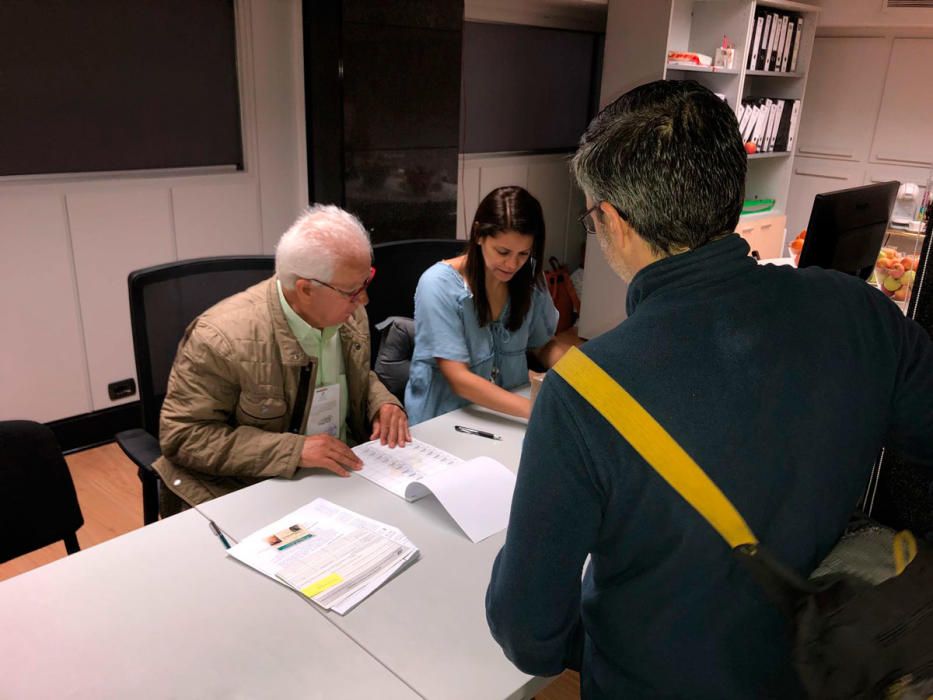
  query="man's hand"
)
[
  {"x": 326, "y": 452},
  {"x": 391, "y": 426}
]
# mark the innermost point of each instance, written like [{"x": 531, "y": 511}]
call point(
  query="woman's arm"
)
[
  {"x": 481, "y": 391},
  {"x": 549, "y": 353}
]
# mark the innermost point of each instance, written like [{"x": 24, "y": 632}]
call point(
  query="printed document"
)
[
  {"x": 330, "y": 554},
  {"x": 476, "y": 493}
]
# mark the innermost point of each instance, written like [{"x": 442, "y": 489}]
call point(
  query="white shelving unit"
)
[{"x": 638, "y": 38}]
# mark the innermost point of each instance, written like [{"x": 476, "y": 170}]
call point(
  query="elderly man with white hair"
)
[{"x": 276, "y": 378}]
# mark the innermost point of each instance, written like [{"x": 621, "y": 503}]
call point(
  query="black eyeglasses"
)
[
  {"x": 586, "y": 220},
  {"x": 349, "y": 296}
]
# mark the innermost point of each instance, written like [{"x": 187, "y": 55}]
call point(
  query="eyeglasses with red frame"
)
[{"x": 349, "y": 296}]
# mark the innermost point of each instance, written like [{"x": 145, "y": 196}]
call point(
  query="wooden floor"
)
[{"x": 111, "y": 501}]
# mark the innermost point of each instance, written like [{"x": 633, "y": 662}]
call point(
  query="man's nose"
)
[{"x": 362, "y": 298}]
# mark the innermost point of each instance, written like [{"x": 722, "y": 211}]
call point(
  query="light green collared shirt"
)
[{"x": 325, "y": 346}]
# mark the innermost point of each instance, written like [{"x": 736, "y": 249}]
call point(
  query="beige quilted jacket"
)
[{"x": 238, "y": 390}]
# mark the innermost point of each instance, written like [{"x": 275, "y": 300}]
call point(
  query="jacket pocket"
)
[{"x": 260, "y": 411}]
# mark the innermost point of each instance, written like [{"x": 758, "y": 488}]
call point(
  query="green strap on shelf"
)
[{"x": 757, "y": 206}]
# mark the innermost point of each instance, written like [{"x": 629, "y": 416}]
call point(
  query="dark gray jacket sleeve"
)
[{"x": 533, "y": 600}]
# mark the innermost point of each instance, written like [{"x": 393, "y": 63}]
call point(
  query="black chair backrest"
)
[
  {"x": 398, "y": 267},
  {"x": 38, "y": 503},
  {"x": 164, "y": 299}
]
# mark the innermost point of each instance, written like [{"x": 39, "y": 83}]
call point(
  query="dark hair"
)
[
  {"x": 506, "y": 209},
  {"x": 668, "y": 155}
]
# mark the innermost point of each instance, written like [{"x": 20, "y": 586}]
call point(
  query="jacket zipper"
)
[{"x": 298, "y": 411}]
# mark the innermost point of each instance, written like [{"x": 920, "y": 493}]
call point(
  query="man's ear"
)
[
  {"x": 616, "y": 227},
  {"x": 302, "y": 286}
]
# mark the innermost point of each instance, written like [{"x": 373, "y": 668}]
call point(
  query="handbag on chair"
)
[
  {"x": 863, "y": 622},
  {"x": 563, "y": 294}
]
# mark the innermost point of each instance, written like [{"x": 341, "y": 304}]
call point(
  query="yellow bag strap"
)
[
  {"x": 655, "y": 445},
  {"x": 905, "y": 549}
]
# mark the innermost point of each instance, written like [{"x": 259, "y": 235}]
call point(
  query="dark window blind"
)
[{"x": 110, "y": 85}]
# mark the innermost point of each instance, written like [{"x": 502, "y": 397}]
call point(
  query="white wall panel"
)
[
  {"x": 577, "y": 239},
  {"x": 843, "y": 96},
  {"x": 602, "y": 307},
  {"x": 217, "y": 220},
  {"x": 467, "y": 196},
  {"x": 549, "y": 182},
  {"x": 114, "y": 232},
  {"x": 505, "y": 174},
  {"x": 42, "y": 365},
  {"x": 871, "y": 13},
  {"x": 878, "y": 172},
  {"x": 904, "y": 132},
  {"x": 547, "y": 177},
  {"x": 813, "y": 176},
  {"x": 278, "y": 71}
]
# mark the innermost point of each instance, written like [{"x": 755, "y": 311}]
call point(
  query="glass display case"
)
[
  {"x": 897, "y": 267},
  {"x": 900, "y": 492}
]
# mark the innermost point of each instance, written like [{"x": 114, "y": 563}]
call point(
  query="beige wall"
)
[
  {"x": 68, "y": 244},
  {"x": 870, "y": 13}
]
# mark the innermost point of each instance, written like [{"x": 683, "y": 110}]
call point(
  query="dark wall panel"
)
[
  {"x": 401, "y": 87},
  {"x": 98, "y": 85},
  {"x": 526, "y": 88},
  {"x": 401, "y": 116}
]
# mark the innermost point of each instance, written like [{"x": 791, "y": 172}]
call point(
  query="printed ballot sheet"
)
[
  {"x": 476, "y": 493},
  {"x": 397, "y": 468},
  {"x": 330, "y": 554}
]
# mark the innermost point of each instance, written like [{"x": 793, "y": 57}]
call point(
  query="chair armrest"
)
[{"x": 140, "y": 446}]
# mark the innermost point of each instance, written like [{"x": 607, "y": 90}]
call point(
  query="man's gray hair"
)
[
  {"x": 668, "y": 155},
  {"x": 323, "y": 235}
]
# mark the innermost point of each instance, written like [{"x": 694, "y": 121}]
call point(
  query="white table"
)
[
  {"x": 162, "y": 612},
  {"x": 429, "y": 623}
]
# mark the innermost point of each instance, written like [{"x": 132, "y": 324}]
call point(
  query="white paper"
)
[
  {"x": 477, "y": 493},
  {"x": 364, "y": 553}
]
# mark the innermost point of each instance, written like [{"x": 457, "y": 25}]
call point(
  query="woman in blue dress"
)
[{"x": 476, "y": 315}]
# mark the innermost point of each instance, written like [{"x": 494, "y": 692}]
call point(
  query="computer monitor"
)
[{"x": 847, "y": 228}]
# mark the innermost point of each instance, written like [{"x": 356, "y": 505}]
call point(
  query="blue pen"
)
[{"x": 216, "y": 530}]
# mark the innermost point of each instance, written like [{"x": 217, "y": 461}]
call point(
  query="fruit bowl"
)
[{"x": 895, "y": 273}]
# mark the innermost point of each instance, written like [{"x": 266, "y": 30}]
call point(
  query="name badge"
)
[{"x": 324, "y": 417}]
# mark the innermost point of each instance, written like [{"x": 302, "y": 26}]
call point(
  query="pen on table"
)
[
  {"x": 474, "y": 431},
  {"x": 216, "y": 530}
]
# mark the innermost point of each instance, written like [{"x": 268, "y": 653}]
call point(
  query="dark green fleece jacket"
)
[{"x": 783, "y": 385}]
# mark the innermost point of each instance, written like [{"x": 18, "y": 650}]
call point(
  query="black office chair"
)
[
  {"x": 38, "y": 503},
  {"x": 398, "y": 267},
  {"x": 163, "y": 300}
]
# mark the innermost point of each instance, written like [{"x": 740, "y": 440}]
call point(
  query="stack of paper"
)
[
  {"x": 332, "y": 555},
  {"x": 476, "y": 493}
]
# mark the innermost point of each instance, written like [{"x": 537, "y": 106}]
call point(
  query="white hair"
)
[{"x": 312, "y": 246}]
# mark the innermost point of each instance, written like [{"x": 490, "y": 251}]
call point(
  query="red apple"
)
[{"x": 750, "y": 147}]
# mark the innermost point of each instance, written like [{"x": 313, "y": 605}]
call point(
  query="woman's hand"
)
[{"x": 481, "y": 391}]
